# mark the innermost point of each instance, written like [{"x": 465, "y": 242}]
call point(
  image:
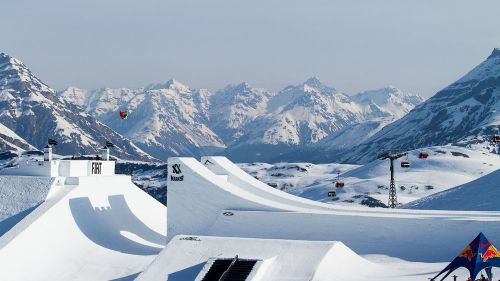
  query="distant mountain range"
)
[
  {"x": 164, "y": 119},
  {"x": 310, "y": 121},
  {"x": 248, "y": 124}
]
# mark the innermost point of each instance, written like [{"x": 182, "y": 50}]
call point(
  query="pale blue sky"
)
[{"x": 418, "y": 46}]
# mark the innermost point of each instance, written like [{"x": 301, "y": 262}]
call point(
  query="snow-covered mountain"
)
[
  {"x": 10, "y": 141},
  {"x": 163, "y": 119},
  {"x": 100, "y": 101},
  {"x": 297, "y": 116},
  {"x": 386, "y": 102},
  {"x": 234, "y": 107},
  {"x": 307, "y": 113},
  {"x": 465, "y": 113},
  {"x": 31, "y": 109},
  {"x": 253, "y": 123},
  {"x": 313, "y": 116}
]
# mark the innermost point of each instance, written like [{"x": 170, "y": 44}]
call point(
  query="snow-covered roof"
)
[{"x": 60, "y": 168}]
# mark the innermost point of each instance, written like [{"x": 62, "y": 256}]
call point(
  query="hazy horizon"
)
[{"x": 416, "y": 46}]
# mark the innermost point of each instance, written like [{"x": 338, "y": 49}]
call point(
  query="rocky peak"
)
[
  {"x": 495, "y": 53},
  {"x": 171, "y": 84}
]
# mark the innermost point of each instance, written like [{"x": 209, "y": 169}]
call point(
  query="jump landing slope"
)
[
  {"x": 228, "y": 204},
  {"x": 89, "y": 228}
]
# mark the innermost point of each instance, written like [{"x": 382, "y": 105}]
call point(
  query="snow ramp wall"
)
[
  {"x": 99, "y": 228},
  {"x": 19, "y": 196},
  {"x": 220, "y": 165},
  {"x": 203, "y": 203}
]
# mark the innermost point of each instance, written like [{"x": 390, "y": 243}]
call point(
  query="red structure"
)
[{"x": 423, "y": 155}]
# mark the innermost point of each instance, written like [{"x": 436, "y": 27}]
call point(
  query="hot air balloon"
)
[{"x": 123, "y": 115}]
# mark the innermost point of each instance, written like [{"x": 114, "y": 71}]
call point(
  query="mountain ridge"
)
[
  {"x": 239, "y": 119},
  {"x": 32, "y": 110},
  {"x": 467, "y": 113}
]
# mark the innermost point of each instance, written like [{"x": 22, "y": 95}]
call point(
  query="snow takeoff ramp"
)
[
  {"x": 228, "y": 203},
  {"x": 203, "y": 258},
  {"x": 93, "y": 225}
]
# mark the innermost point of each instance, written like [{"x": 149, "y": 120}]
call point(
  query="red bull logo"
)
[
  {"x": 467, "y": 253},
  {"x": 490, "y": 253},
  {"x": 485, "y": 245}
]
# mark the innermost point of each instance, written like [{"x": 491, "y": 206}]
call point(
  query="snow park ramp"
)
[
  {"x": 203, "y": 203},
  {"x": 105, "y": 228},
  {"x": 189, "y": 181},
  {"x": 191, "y": 258},
  {"x": 235, "y": 175},
  {"x": 478, "y": 195}
]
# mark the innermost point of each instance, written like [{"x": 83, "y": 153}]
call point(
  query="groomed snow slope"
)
[
  {"x": 98, "y": 228},
  {"x": 482, "y": 194},
  {"x": 204, "y": 203},
  {"x": 189, "y": 258}
]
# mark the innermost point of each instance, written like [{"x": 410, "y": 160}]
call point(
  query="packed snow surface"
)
[
  {"x": 218, "y": 204},
  {"x": 189, "y": 258},
  {"x": 479, "y": 195},
  {"x": 19, "y": 196}
]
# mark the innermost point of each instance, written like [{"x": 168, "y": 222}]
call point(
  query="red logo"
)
[{"x": 467, "y": 253}]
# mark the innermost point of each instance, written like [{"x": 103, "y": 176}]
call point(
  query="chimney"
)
[
  {"x": 105, "y": 150},
  {"x": 105, "y": 153},
  {"x": 47, "y": 153}
]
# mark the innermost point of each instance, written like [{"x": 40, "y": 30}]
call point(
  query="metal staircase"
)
[{"x": 229, "y": 270}]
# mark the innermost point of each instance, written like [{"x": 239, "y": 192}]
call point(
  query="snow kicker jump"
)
[
  {"x": 216, "y": 198},
  {"x": 86, "y": 223}
]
